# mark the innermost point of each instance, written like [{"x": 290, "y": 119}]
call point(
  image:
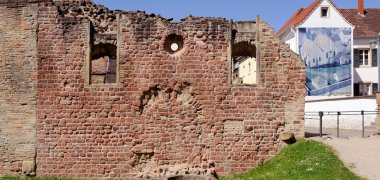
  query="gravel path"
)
[{"x": 362, "y": 156}]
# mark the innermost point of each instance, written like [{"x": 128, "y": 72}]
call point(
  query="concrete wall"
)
[
  {"x": 18, "y": 74},
  {"x": 345, "y": 104}
]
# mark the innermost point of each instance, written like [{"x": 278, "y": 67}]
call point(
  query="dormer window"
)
[{"x": 325, "y": 12}]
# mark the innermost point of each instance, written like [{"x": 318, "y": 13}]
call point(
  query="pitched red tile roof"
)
[
  {"x": 299, "y": 16},
  {"x": 302, "y": 14},
  {"x": 368, "y": 26}
]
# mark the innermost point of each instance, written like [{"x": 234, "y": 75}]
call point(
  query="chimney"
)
[{"x": 361, "y": 7}]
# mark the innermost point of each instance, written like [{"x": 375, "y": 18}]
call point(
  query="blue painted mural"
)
[{"x": 327, "y": 55}]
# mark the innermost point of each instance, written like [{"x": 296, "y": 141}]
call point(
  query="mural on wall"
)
[{"x": 327, "y": 55}]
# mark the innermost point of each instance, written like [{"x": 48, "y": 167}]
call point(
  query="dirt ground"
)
[{"x": 361, "y": 155}]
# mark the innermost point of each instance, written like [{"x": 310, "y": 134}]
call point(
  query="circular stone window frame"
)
[{"x": 174, "y": 43}]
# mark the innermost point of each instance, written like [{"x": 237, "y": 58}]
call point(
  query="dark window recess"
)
[
  {"x": 103, "y": 64},
  {"x": 374, "y": 57},
  {"x": 324, "y": 12},
  {"x": 374, "y": 88},
  {"x": 358, "y": 58},
  {"x": 356, "y": 89}
]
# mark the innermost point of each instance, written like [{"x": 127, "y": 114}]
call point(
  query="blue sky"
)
[{"x": 275, "y": 12}]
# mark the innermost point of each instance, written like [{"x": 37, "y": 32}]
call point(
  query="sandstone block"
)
[
  {"x": 29, "y": 167},
  {"x": 100, "y": 66},
  {"x": 287, "y": 137},
  {"x": 97, "y": 79}
]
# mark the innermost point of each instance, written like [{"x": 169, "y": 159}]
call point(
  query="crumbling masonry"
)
[{"x": 90, "y": 92}]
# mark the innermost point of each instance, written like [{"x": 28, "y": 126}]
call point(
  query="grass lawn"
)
[{"x": 305, "y": 159}]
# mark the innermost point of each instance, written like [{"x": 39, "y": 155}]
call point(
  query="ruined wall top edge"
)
[{"x": 68, "y": 4}]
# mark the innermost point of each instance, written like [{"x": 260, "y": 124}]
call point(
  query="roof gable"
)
[
  {"x": 300, "y": 16},
  {"x": 303, "y": 14}
]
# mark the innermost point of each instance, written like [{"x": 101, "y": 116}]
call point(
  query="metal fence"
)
[{"x": 338, "y": 114}]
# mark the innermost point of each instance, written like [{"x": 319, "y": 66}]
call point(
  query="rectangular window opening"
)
[
  {"x": 102, "y": 61},
  {"x": 324, "y": 11},
  {"x": 362, "y": 58},
  {"x": 244, "y": 63},
  {"x": 365, "y": 89}
]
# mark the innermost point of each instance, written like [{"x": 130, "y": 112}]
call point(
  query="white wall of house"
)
[
  {"x": 334, "y": 20},
  {"x": 346, "y": 122},
  {"x": 362, "y": 42},
  {"x": 365, "y": 74},
  {"x": 247, "y": 70},
  {"x": 289, "y": 38}
]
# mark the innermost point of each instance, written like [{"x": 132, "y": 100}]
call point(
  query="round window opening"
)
[{"x": 173, "y": 43}]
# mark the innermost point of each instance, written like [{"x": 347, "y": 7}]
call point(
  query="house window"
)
[
  {"x": 249, "y": 68},
  {"x": 324, "y": 11},
  {"x": 374, "y": 57},
  {"x": 374, "y": 88},
  {"x": 361, "y": 57},
  {"x": 365, "y": 89}
]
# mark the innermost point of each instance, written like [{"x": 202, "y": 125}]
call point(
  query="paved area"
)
[
  {"x": 361, "y": 155},
  {"x": 314, "y": 132}
]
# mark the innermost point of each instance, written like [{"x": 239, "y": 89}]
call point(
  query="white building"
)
[{"x": 340, "y": 50}]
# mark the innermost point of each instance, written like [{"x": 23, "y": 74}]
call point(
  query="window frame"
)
[
  {"x": 370, "y": 86},
  {"x": 361, "y": 54},
  {"x": 89, "y": 54},
  {"x": 327, "y": 8}
]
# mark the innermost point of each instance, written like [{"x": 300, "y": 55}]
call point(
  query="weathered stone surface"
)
[
  {"x": 29, "y": 167},
  {"x": 180, "y": 171},
  {"x": 287, "y": 137},
  {"x": 189, "y": 177},
  {"x": 100, "y": 66},
  {"x": 98, "y": 79},
  {"x": 18, "y": 81},
  {"x": 176, "y": 105},
  {"x": 233, "y": 127}
]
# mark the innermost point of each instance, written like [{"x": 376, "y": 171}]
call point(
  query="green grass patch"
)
[{"x": 305, "y": 159}]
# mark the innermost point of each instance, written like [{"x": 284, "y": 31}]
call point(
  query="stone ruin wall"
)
[
  {"x": 166, "y": 109},
  {"x": 18, "y": 76}
]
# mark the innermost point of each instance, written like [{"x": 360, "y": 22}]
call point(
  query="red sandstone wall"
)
[{"x": 167, "y": 109}]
